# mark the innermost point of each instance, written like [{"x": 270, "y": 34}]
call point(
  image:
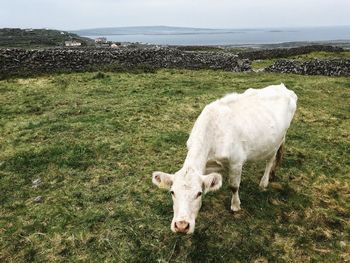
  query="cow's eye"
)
[
  {"x": 199, "y": 194},
  {"x": 172, "y": 193}
]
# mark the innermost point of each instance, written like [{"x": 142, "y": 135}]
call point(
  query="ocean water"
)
[{"x": 238, "y": 37}]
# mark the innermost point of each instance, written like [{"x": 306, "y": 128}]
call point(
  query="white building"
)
[
  {"x": 101, "y": 40},
  {"x": 72, "y": 43}
]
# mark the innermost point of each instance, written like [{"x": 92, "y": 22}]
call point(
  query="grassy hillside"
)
[
  {"x": 77, "y": 152},
  {"x": 37, "y": 38}
]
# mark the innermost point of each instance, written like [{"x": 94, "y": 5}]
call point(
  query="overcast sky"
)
[{"x": 80, "y": 14}]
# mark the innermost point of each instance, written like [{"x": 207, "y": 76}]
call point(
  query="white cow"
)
[{"x": 230, "y": 131}]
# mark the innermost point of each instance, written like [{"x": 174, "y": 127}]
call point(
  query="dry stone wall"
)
[
  {"x": 31, "y": 62},
  {"x": 333, "y": 67},
  {"x": 21, "y": 62},
  {"x": 286, "y": 52}
]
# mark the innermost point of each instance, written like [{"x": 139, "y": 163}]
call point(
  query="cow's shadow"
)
[
  {"x": 250, "y": 230},
  {"x": 261, "y": 210}
]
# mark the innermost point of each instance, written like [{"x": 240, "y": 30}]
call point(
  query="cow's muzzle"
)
[{"x": 182, "y": 226}]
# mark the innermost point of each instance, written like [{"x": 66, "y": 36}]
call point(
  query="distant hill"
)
[
  {"x": 149, "y": 30},
  {"x": 30, "y": 38}
]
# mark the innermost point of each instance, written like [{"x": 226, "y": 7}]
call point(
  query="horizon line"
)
[{"x": 185, "y": 27}]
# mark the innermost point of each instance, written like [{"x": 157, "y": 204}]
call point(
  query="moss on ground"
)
[{"x": 93, "y": 141}]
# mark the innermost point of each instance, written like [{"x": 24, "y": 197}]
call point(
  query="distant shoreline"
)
[
  {"x": 344, "y": 43},
  {"x": 221, "y": 37}
]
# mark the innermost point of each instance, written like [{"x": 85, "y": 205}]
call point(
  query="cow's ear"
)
[
  {"x": 162, "y": 180},
  {"x": 211, "y": 182}
]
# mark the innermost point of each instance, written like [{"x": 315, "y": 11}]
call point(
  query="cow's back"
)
[{"x": 253, "y": 124}]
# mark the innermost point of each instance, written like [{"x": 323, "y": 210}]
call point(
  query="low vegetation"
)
[
  {"x": 37, "y": 38},
  {"x": 77, "y": 152}
]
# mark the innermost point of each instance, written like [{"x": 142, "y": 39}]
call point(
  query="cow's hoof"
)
[
  {"x": 235, "y": 208},
  {"x": 263, "y": 185}
]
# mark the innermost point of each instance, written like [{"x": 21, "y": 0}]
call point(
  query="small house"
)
[
  {"x": 101, "y": 40},
  {"x": 72, "y": 43}
]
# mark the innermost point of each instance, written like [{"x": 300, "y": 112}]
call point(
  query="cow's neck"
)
[
  {"x": 196, "y": 160},
  {"x": 200, "y": 143},
  {"x": 197, "y": 156}
]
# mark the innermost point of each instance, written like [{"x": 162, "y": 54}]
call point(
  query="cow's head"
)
[{"x": 187, "y": 190}]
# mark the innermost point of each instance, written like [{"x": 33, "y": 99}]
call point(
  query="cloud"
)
[{"x": 76, "y": 14}]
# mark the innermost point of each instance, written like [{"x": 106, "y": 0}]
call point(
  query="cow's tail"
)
[{"x": 278, "y": 161}]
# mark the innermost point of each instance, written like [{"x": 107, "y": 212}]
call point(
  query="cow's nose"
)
[{"x": 182, "y": 226}]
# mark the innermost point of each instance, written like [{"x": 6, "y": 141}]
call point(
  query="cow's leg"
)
[
  {"x": 265, "y": 179},
  {"x": 234, "y": 181},
  {"x": 271, "y": 165}
]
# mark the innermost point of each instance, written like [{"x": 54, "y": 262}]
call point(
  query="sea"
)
[{"x": 237, "y": 36}]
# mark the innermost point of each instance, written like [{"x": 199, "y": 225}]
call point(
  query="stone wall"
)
[
  {"x": 286, "y": 52},
  {"x": 333, "y": 67},
  {"x": 14, "y": 62}
]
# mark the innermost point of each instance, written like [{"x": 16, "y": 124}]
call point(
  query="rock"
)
[
  {"x": 38, "y": 199},
  {"x": 36, "y": 183}
]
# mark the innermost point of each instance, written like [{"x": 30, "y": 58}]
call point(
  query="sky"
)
[{"x": 82, "y": 14}]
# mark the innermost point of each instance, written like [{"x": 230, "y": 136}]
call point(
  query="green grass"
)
[
  {"x": 94, "y": 140},
  {"x": 262, "y": 63},
  {"x": 37, "y": 38}
]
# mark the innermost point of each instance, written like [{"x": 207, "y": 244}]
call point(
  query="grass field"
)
[{"x": 77, "y": 152}]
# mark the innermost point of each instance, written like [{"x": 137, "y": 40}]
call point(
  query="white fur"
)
[{"x": 232, "y": 130}]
